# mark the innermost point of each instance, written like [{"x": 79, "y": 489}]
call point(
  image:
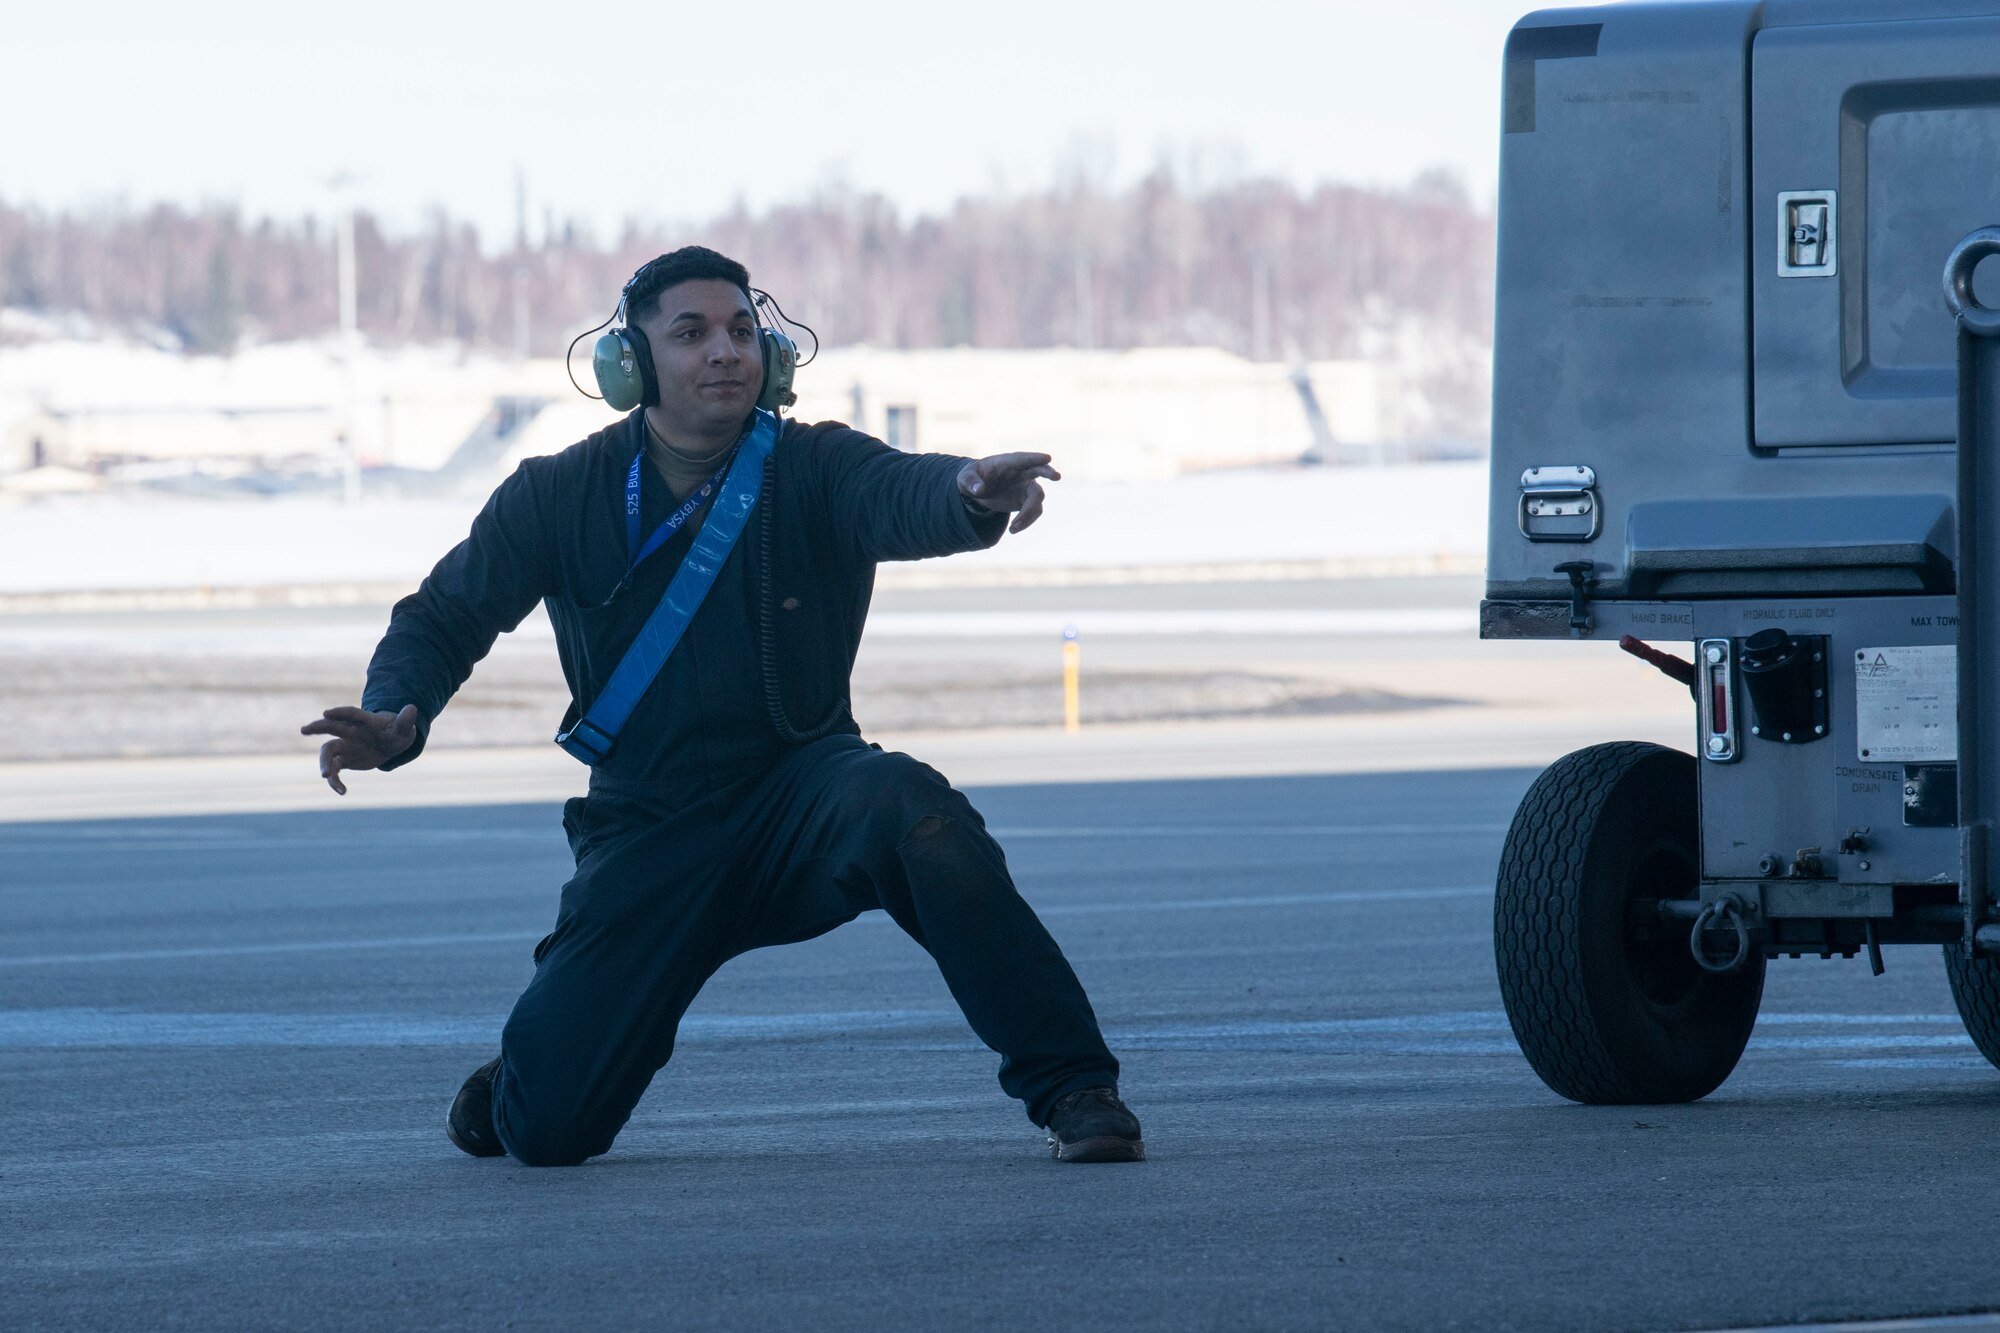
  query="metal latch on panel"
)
[
  {"x": 1806, "y": 221},
  {"x": 1559, "y": 504}
]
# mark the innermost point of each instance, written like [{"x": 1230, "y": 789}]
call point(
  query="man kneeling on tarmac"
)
[{"x": 714, "y": 825}]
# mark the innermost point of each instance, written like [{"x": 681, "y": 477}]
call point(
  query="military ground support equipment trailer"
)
[{"x": 1736, "y": 409}]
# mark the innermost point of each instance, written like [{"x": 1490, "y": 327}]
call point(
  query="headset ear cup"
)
[
  {"x": 642, "y": 352},
  {"x": 781, "y": 361},
  {"x": 617, "y": 364}
]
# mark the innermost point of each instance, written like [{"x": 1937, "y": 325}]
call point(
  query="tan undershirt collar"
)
[{"x": 683, "y": 475}]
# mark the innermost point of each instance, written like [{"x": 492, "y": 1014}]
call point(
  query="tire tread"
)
[
  {"x": 1539, "y": 902},
  {"x": 1975, "y": 989},
  {"x": 1545, "y": 1002}
]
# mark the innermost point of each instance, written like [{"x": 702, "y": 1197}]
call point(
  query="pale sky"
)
[{"x": 674, "y": 111}]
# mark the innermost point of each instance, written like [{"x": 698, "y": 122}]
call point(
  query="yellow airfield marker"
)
[{"x": 1072, "y": 671}]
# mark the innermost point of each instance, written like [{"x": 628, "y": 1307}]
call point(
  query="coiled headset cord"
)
[{"x": 767, "y": 638}]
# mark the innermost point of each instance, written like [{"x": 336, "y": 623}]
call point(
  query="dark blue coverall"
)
[{"x": 717, "y": 824}]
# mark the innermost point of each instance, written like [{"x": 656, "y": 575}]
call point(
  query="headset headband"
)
[{"x": 623, "y": 316}]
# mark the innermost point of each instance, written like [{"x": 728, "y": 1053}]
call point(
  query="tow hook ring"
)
[{"x": 1721, "y": 912}]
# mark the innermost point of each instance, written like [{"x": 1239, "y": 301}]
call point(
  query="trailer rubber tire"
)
[
  {"x": 1975, "y": 989},
  {"x": 1605, "y": 1015}
]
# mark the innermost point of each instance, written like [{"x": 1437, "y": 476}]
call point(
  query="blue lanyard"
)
[
  {"x": 597, "y": 731},
  {"x": 674, "y": 522}
]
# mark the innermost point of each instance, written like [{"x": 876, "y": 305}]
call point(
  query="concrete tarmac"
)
[{"x": 227, "y": 1043}]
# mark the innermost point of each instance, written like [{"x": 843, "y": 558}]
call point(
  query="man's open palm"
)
[
  {"x": 1008, "y": 484},
  {"x": 361, "y": 739}
]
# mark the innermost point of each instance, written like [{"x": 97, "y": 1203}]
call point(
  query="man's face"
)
[{"x": 705, "y": 354}]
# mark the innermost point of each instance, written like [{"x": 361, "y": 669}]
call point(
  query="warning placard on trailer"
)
[{"x": 1906, "y": 704}]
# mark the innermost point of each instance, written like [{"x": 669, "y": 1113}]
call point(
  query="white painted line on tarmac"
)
[
  {"x": 1333, "y": 899},
  {"x": 42, "y": 1029},
  {"x": 72, "y": 1029},
  {"x": 1973, "y": 1061},
  {"x": 237, "y": 840},
  {"x": 1879, "y": 1325},
  {"x": 1847, "y": 1041},
  {"x": 197, "y": 638},
  {"x": 1852, "y": 1020},
  {"x": 1169, "y": 624},
  {"x": 1477, "y": 1032},
  {"x": 1449, "y": 1020},
  {"x": 275, "y": 947},
  {"x": 1242, "y": 830},
  {"x": 67, "y": 836}
]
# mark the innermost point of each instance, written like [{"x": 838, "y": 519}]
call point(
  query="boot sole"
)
[{"x": 1107, "y": 1148}]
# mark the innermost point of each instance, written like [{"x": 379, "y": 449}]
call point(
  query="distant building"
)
[
  {"x": 139, "y": 414},
  {"x": 94, "y": 406},
  {"x": 1146, "y": 413}
]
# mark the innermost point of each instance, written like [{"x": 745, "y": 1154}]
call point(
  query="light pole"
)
[{"x": 342, "y": 183}]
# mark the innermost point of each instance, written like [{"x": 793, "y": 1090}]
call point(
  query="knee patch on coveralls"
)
[
  {"x": 950, "y": 859},
  {"x": 548, "y": 1132}
]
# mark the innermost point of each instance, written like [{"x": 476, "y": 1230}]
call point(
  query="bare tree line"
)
[{"x": 1258, "y": 267}]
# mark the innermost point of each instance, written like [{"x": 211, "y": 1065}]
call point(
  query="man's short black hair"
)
[{"x": 687, "y": 264}]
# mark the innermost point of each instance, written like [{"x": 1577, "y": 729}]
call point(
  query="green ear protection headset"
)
[{"x": 623, "y": 359}]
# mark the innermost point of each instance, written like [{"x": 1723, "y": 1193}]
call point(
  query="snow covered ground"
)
[{"x": 1415, "y": 518}]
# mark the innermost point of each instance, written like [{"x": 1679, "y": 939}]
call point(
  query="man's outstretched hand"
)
[
  {"x": 1007, "y": 484},
  {"x": 361, "y": 739}
]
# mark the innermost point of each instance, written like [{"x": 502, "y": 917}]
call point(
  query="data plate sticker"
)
[{"x": 1906, "y": 704}]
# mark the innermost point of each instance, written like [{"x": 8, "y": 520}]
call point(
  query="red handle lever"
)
[{"x": 1679, "y": 668}]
